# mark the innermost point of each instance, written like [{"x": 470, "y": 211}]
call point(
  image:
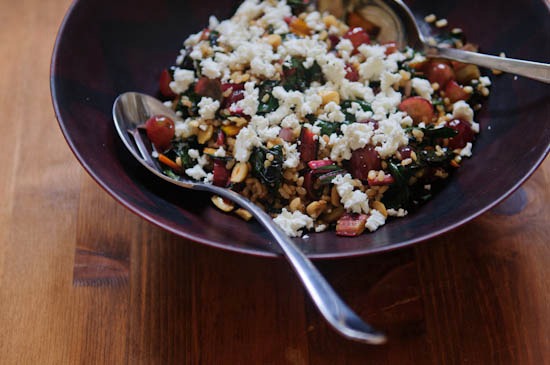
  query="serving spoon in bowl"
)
[
  {"x": 130, "y": 110},
  {"x": 397, "y": 24}
]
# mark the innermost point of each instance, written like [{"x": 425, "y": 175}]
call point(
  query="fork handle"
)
[
  {"x": 332, "y": 307},
  {"x": 533, "y": 70}
]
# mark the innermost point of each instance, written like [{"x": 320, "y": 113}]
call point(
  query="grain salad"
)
[{"x": 314, "y": 120}]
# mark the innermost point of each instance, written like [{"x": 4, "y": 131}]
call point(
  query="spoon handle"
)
[
  {"x": 533, "y": 70},
  {"x": 331, "y": 306}
]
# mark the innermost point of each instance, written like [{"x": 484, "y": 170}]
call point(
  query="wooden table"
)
[{"x": 82, "y": 280}]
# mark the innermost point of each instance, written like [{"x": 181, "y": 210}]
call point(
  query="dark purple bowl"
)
[{"x": 107, "y": 47}]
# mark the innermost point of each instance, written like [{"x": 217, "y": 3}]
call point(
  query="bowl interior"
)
[{"x": 105, "y": 48}]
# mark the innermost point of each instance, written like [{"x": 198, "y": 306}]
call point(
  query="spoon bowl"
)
[{"x": 131, "y": 110}]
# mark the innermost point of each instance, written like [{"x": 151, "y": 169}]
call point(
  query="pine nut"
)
[{"x": 239, "y": 172}]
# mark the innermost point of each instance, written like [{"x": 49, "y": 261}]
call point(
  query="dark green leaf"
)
[
  {"x": 266, "y": 88},
  {"x": 271, "y": 175},
  {"x": 328, "y": 127}
]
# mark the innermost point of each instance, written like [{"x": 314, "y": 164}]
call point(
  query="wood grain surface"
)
[{"x": 84, "y": 281}]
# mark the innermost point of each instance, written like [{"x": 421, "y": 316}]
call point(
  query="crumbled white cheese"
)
[
  {"x": 209, "y": 178},
  {"x": 485, "y": 81},
  {"x": 196, "y": 172},
  {"x": 193, "y": 153},
  {"x": 213, "y": 22},
  {"x": 262, "y": 67},
  {"x": 245, "y": 141},
  {"x": 220, "y": 152},
  {"x": 313, "y": 21},
  {"x": 345, "y": 47},
  {"x": 357, "y": 111},
  {"x": 355, "y": 90},
  {"x": 261, "y": 126},
  {"x": 372, "y": 50},
  {"x": 332, "y": 113},
  {"x": 397, "y": 213},
  {"x": 387, "y": 80},
  {"x": 293, "y": 223},
  {"x": 210, "y": 68},
  {"x": 422, "y": 87},
  {"x": 208, "y": 107},
  {"x": 355, "y": 136},
  {"x": 291, "y": 155},
  {"x": 372, "y": 69},
  {"x": 290, "y": 121},
  {"x": 249, "y": 104},
  {"x": 466, "y": 151},
  {"x": 182, "y": 80},
  {"x": 184, "y": 129},
  {"x": 389, "y": 135},
  {"x": 461, "y": 110},
  {"x": 354, "y": 201},
  {"x": 375, "y": 220},
  {"x": 334, "y": 68},
  {"x": 475, "y": 126},
  {"x": 321, "y": 228}
]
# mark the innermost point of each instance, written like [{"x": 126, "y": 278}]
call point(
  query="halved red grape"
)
[
  {"x": 418, "y": 108},
  {"x": 160, "y": 131},
  {"x": 363, "y": 160},
  {"x": 465, "y": 133},
  {"x": 164, "y": 84},
  {"x": 440, "y": 72},
  {"x": 455, "y": 92}
]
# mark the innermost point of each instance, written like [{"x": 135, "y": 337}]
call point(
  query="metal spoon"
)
[
  {"x": 132, "y": 109},
  {"x": 398, "y": 20}
]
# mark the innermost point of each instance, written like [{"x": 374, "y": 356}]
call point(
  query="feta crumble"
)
[{"x": 293, "y": 223}]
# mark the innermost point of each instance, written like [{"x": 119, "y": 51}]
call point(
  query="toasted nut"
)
[
  {"x": 328, "y": 95},
  {"x": 296, "y": 204},
  {"x": 222, "y": 204},
  {"x": 274, "y": 40},
  {"x": 379, "y": 206},
  {"x": 314, "y": 209},
  {"x": 239, "y": 173},
  {"x": 244, "y": 214},
  {"x": 330, "y": 20},
  {"x": 209, "y": 150},
  {"x": 204, "y": 136},
  {"x": 231, "y": 130},
  {"x": 334, "y": 197}
]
